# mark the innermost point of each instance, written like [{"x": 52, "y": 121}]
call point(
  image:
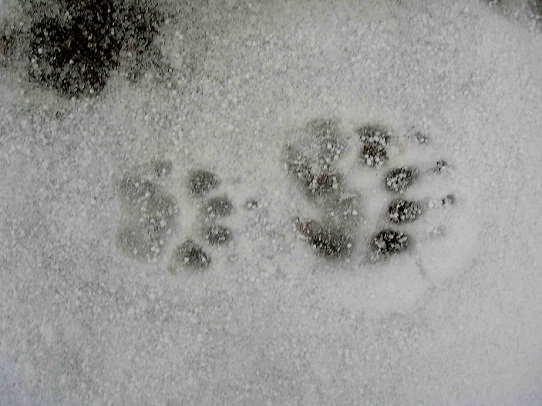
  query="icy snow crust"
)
[{"x": 454, "y": 320}]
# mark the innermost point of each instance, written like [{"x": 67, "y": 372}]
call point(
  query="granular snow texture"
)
[{"x": 454, "y": 319}]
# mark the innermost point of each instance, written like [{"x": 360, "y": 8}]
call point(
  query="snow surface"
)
[{"x": 454, "y": 321}]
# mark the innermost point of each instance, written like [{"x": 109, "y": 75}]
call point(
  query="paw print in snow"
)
[
  {"x": 149, "y": 217},
  {"x": 213, "y": 210},
  {"x": 339, "y": 187}
]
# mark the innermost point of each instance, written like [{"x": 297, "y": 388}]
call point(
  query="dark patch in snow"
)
[
  {"x": 190, "y": 255},
  {"x": 375, "y": 139},
  {"x": 327, "y": 241},
  {"x": 399, "y": 179},
  {"x": 201, "y": 182},
  {"x": 74, "y": 45},
  {"x": 388, "y": 242},
  {"x": 404, "y": 211},
  {"x": 218, "y": 206},
  {"x": 333, "y": 235},
  {"x": 217, "y": 234}
]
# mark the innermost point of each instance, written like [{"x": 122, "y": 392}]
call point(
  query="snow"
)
[{"x": 455, "y": 320}]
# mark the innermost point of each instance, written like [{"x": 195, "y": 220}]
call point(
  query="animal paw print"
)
[
  {"x": 340, "y": 176},
  {"x": 213, "y": 209},
  {"x": 149, "y": 217}
]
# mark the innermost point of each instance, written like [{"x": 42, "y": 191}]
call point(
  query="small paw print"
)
[
  {"x": 213, "y": 209},
  {"x": 149, "y": 217},
  {"x": 340, "y": 187}
]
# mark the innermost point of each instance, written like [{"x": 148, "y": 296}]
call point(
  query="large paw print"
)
[
  {"x": 149, "y": 217},
  {"x": 377, "y": 176}
]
